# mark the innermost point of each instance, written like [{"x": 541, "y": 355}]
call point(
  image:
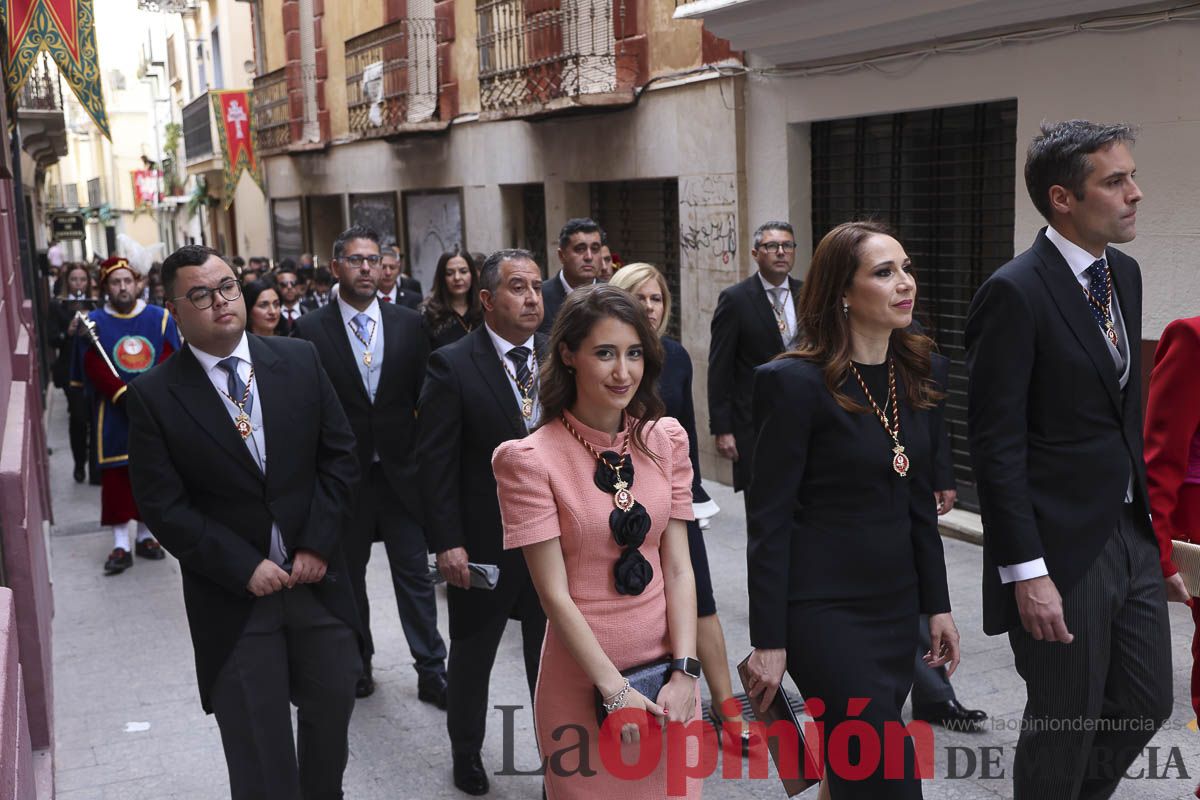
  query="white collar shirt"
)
[
  {"x": 782, "y": 295},
  {"x": 256, "y": 442},
  {"x": 503, "y": 346}
]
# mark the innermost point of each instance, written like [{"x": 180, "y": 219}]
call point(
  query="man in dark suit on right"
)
[
  {"x": 479, "y": 392},
  {"x": 579, "y": 245},
  {"x": 1071, "y": 567},
  {"x": 754, "y": 321}
]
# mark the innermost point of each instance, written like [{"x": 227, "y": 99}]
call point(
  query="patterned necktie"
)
[
  {"x": 234, "y": 385},
  {"x": 1098, "y": 285},
  {"x": 519, "y": 356},
  {"x": 360, "y": 324}
]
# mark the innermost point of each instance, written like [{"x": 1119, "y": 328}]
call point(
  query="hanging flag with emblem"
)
[
  {"x": 234, "y": 110},
  {"x": 66, "y": 30}
]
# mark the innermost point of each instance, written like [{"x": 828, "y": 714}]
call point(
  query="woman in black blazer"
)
[
  {"x": 843, "y": 551},
  {"x": 452, "y": 309}
]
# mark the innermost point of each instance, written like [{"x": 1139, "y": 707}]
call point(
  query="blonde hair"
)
[{"x": 631, "y": 276}]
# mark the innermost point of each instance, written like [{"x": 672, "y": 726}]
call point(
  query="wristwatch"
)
[{"x": 688, "y": 666}]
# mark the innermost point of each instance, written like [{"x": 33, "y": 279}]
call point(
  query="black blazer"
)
[
  {"x": 407, "y": 297},
  {"x": 828, "y": 517},
  {"x": 744, "y": 335},
  {"x": 203, "y": 495},
  {"x": 388, "y": 426},
  {"x": 553, "y": 295},
  {"x": 1052, "y": 435},
  {"x": 467, "y": 411},
  {"x": 411, "y": 285}
]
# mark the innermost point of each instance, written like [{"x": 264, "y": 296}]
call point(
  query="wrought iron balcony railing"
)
[
  {"x": 271, "y": 124},
  {"x": 43, "y": 88},
  {"x": 531, "y": 54},
  {"x": 392, "y": 77},
  {"x": 198, "y": 128}
]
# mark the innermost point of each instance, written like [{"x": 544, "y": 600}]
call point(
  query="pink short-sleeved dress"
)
[{"x": 546, "y": 490}]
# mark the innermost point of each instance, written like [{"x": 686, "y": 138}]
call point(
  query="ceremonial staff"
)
[{"x": 90, "y": 328}]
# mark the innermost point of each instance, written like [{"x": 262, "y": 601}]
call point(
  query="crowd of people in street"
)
[{"x": 537, "y": 438}]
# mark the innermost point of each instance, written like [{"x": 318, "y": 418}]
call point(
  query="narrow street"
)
[{"x": 129, "y": 723}]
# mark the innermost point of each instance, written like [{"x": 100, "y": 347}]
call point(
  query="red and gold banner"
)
[
  {"x": 66, "y": 30},
  {"x": 234, "y": 110},
  {"x": 145, "y": 187}
]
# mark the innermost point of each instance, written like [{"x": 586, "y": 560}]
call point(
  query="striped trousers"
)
[{"x": 1093, "y": 704}]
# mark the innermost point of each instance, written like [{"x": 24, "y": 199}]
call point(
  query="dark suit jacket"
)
[
  {"x": 553, "y": 294},
  {"x": 828, "y": 517},
  {"x": 467, "y": 411},
  {"x": 411, "y": 285},
  {"x": 744, "y": 335},
  {"x": 407, "y": 297},
  {"x": 1053, "y": 438},
  {"x": 388, "y": 426},
  {"x": 201, "y": 492}
]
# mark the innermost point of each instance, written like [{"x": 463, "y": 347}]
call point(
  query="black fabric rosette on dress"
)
[{"x": 632, "y": 572}]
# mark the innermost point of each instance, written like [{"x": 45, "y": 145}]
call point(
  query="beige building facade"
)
[
  {"x": 488, "y": 124},
  {"x": 920, "y": 113}
]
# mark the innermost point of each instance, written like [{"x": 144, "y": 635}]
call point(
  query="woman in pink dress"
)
[{"x": 598, "y": 498}]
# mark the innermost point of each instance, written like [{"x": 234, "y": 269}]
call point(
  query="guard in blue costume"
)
[{"x": 132, "y": 338}]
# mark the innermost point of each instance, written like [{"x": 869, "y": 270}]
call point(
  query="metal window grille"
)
[
  {"x": 272, "y": 128},
  {"x": 641, "y": 219},
  {"x": 197, "y": 128},
  {"x": 944, "y": 180},
  {"x": 391, "y": 76},
  {"x": 531, "y": 54}
]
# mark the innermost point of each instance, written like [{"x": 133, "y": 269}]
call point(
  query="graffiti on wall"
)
[{"x": 708, "y": 220}]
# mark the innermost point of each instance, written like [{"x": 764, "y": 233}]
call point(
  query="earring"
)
[{"x": 845, "y": 309}]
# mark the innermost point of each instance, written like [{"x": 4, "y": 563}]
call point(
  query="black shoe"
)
[
  {"x": 150, "y": 549},
  {"x": 80, "y": 476},
  {"x": 469, "y": 774},
  {"x": 365, "y": 687},
  {"x": 432, "y": 689},
  {"x": 952, "y": 716},
  {"x": 118, "y": 561}
]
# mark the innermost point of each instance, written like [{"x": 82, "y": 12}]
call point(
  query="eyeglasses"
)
[
  {"x": 775, "y": 247},
  {"x": 201, "y": 297},
  {"x": 286, "y": 284},
  {"x": 357, "y": 261}
]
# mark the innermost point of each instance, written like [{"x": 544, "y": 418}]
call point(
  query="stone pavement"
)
[{"x": 129, "y": 726}]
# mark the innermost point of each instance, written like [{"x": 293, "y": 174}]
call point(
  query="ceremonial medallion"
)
[
  {"x": 527, "y": 407},
  {"x": 622, "y": 499},
  {"x": 242, "y": 423},
  {"x": 900, "y": 461},
  {"x": 367, "y": 359}
]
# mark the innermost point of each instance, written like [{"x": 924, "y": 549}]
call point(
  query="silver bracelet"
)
[{"x": 618, "y": 698}]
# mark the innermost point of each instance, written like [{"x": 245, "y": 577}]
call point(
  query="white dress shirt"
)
[
  {"x": 291, "y": 312},
  {"x": 789, "y": 306},
  {"x": 374, "y": 335},
  {"x": 502, "y": 347},
  {"x": 391, "y": 296},
  {"x": 256, "y": 442}
]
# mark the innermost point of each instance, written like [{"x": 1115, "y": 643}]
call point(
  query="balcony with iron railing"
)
[
  {"x": 272, "y": 126},
  {"x": 40, "y": 119},
  {"x": 392, "y": 78},
  {"x": 198, "y": 131},
  {"x": 565, "y": 54}
]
